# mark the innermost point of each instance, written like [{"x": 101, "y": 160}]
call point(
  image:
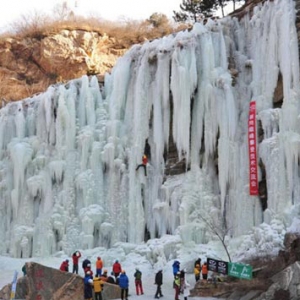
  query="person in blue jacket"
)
[
  {"x": 124, "y": 285},
  {"x": 88, "y": 284},
  {"x": 176, "y": 267}
]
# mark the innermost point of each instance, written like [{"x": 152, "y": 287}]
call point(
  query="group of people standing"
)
[
  {"x": 198, "y": 269},
  {"x": 118, "y": 276},
  {"x": 180, "y": 282}
]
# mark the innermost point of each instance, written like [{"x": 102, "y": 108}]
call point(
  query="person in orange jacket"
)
[
  {"x": 204, "y": 271},
  {"x": 143, "y": 164},
  {"x": 99, "y": 266}
]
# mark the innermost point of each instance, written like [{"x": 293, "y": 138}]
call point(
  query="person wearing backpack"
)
[{"x": 138, "y": 281}]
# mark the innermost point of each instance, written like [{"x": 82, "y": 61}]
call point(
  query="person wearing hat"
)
[
  {"x": 143, "y": 164},
  {"x": 64, "y": 266},
  {"x": 99, "y": 266},
  {"x": 98, "y": 286},
  {"x": 177, "y": 285},
  {"x": 117, "y": 268},
  {"x": 88, "y": 283},
  {"x": 176, "y": 267},
  {"x": 158, "y": 282},
  {"x": 86, "y": 265},
  {"x": 124, "y": 285},
  {"x": 104, "y": 276},
  {"x": 138, "y": 281}
]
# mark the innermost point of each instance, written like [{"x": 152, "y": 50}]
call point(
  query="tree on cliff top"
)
[{"x": 196, "y": 10}]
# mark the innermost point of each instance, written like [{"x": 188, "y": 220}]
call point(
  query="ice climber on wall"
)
[{"x": 143, "y": 164}]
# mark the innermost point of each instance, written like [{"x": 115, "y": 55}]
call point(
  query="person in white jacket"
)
[{"x": 186, "y": 290}]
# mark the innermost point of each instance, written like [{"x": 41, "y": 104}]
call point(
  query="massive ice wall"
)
[{"x": 68, "y": 156}]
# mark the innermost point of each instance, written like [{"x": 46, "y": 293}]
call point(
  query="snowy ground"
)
[
  {"x": 9, "y": 265},
  {"x": 156, "y": 254}
]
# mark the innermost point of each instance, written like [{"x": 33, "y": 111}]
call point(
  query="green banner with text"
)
[{"x": 240, "y": 270}]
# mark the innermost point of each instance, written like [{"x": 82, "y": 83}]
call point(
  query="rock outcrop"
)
[
  {"x": 30, "y": 65},
  {"x": 50, "y": 284},
  {"x": 274, "y": 279}
]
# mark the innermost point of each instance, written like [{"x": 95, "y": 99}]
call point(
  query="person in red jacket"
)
[
  {"x": 143, "y": 164},
  {"x": 75, "y": 257},
  {"x": 64, "y": 266},
  {"x": 117, "y": 268},
  {"x": 88, "y": 269}
]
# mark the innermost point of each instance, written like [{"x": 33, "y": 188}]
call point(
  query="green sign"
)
[{"x": 240, "y": 270}]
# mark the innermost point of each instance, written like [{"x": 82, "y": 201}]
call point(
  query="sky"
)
[{"x": 110, "y": 10}]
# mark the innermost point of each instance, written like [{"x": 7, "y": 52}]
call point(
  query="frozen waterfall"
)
[{"x": 68, "y": 156}]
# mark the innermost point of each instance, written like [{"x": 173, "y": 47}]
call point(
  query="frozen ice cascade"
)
[{"x": 68, "y": 156}]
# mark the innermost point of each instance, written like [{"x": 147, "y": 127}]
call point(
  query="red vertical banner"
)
[{"x": 253, "y": 178}]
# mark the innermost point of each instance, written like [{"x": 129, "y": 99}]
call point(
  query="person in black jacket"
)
[
  {"x": 111, "y": 278},
  {"x": 85, "y": 263},
  {"x": 197, "y": 262},
  {"x": 158, "y": 282}
]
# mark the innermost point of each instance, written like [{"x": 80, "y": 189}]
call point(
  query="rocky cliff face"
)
[{"x": 29, "y": 66}]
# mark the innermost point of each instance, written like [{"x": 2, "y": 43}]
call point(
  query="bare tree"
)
[
  {"x": 30, "y": 23},
  {"x": 220, "y": 230},
  {"x": 62, "y": 11}
]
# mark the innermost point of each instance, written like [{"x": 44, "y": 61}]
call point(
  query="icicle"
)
[
  {"x": 68, "y": 174},
  {"x": 183, "y": 84}
]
